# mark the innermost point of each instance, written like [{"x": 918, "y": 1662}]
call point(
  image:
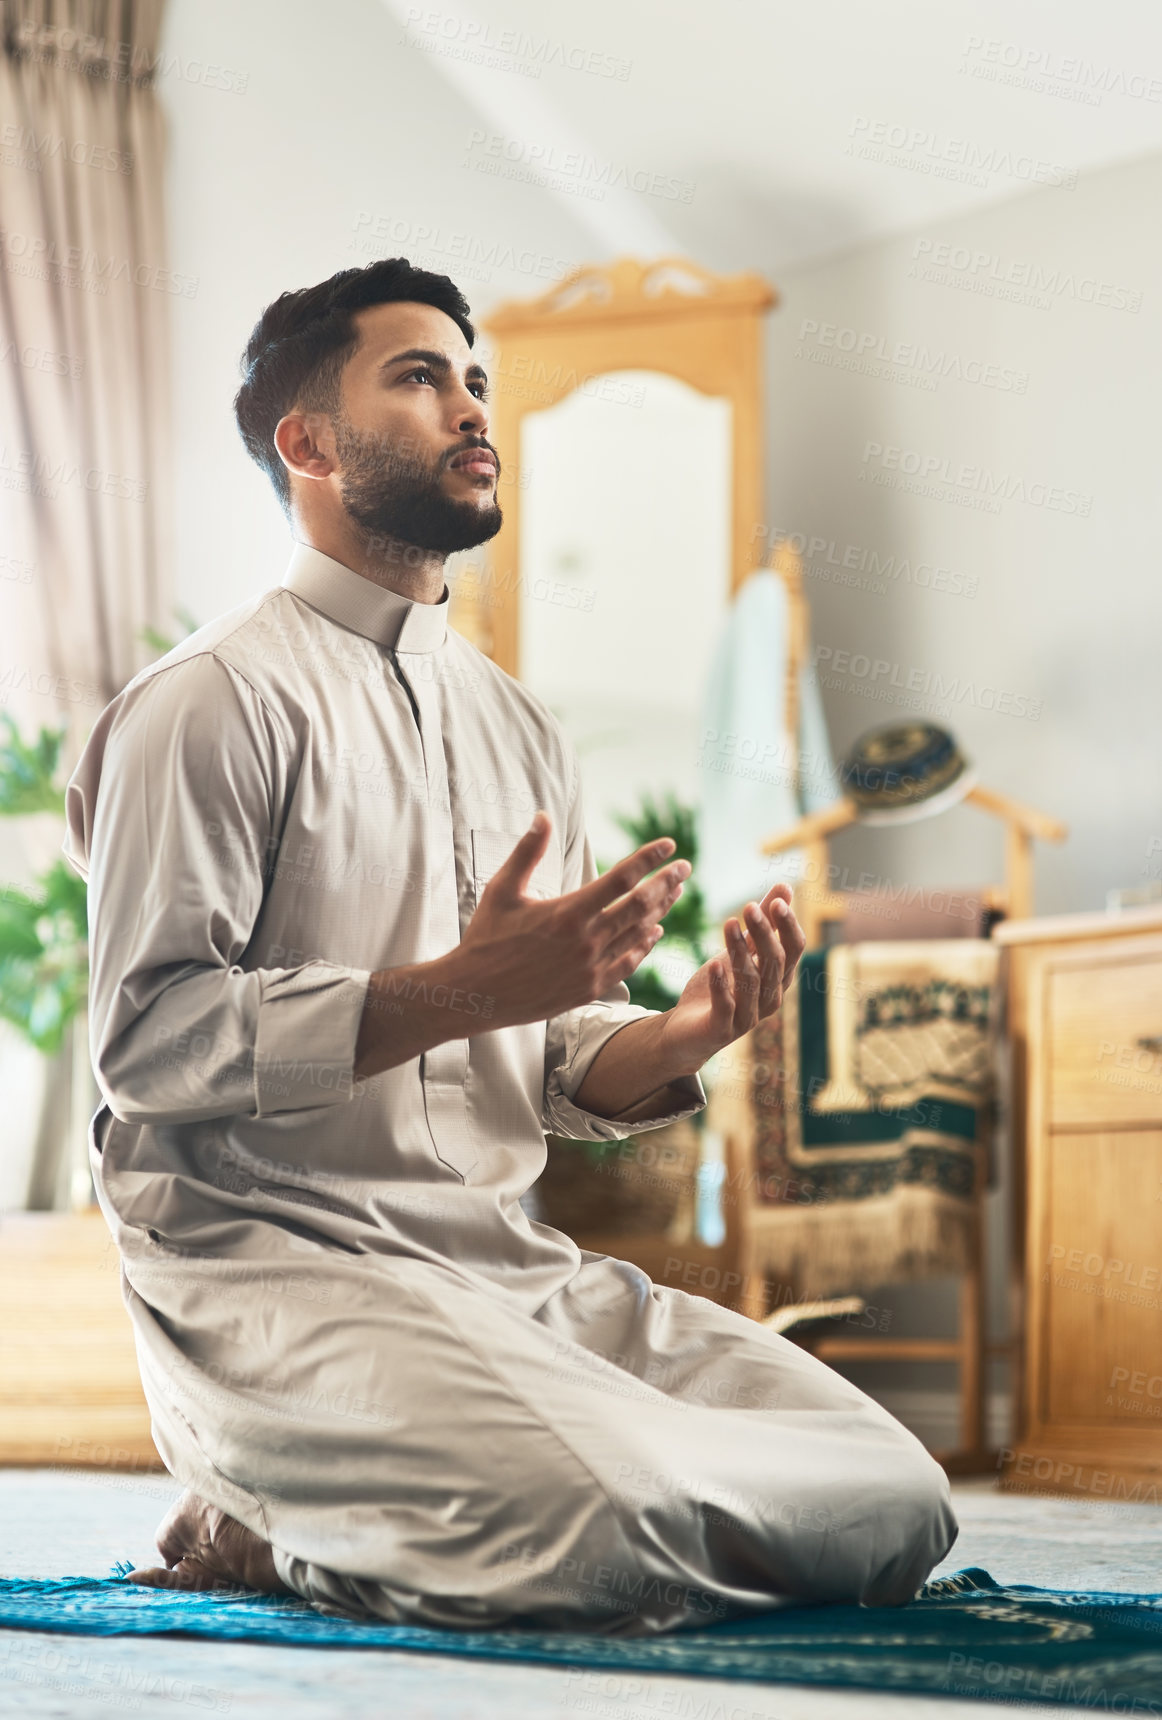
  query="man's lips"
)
[{"x": 474, "y": 460}]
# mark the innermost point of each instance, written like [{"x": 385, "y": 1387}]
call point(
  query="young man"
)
[{"x": 351, "y": 958}]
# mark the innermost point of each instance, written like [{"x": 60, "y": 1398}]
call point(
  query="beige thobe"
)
[{"x": 351, "y": 1336}]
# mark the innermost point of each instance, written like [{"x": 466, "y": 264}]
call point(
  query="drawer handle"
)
[{"x": 1150, "y": 1042}]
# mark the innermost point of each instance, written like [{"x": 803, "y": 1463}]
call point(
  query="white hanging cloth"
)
[{"x": 746, "y": 760}]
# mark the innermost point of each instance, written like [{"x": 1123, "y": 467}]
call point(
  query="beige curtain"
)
[
  {"x": 84, "y": 301},
  {"x": 85, "y": 295}
]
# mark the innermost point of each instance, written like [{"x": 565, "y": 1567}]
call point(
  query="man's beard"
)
[{"x": 393, "y": 494}]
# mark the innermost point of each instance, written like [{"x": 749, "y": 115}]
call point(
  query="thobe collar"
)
[{"x": 397, "y": 622}]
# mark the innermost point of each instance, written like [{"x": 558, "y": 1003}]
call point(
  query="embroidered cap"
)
[{"x": 905, "y": 771}]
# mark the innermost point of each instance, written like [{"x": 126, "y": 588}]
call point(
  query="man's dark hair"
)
[{"x": 300, "y": 344}]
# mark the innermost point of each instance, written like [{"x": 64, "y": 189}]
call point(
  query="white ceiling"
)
[{"x": 759, "y": 104}]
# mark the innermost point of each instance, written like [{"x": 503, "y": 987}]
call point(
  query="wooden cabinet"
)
[{"x": 1085, "y": 1015}]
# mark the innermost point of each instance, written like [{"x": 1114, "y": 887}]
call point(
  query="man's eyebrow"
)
[{"x": 435, "y": 361}]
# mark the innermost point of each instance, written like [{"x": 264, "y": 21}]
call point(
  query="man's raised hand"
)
[
  {"x": 741, "y": 985},
  {"x": 536, "y": 959}
]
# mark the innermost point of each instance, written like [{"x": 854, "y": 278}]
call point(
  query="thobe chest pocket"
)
[{"x": 491, "y": 848}]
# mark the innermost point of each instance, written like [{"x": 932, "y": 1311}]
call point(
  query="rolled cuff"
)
[
  {"x": 308, "y": 1025},
  {"x": 583, "y": 1033}
]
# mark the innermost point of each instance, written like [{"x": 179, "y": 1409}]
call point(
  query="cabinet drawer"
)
[
  {"x": 1101, "y": 1284},
  {"x": 1104, "y": 1023}
]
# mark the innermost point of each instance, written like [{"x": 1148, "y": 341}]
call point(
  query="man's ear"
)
[{"x": 306, "y": 444}]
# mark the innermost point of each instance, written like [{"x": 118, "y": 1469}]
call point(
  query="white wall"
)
[
  {"x": 1059, "y": 609},
  {"x": 270, "y": 188}
]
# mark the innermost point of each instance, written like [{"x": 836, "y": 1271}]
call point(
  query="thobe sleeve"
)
[
  {"x": 574, "y": 1038},
  {"x": 173, "y": 815}
]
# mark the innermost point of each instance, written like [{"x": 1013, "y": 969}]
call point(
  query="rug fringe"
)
[{"x": 841, "y": 1246}]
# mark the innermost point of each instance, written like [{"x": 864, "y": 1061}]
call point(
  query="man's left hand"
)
[{"x": 741, "y": 985}]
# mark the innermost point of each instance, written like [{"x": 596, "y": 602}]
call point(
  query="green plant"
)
[
  {"x": 686, "y": 924},
  {"x": 43, "y": 932},
  {"x": 26, "y": 772},
  {"x": 44, "y": 950},
  {"x": 159, "y": 642},
  {"x": 683, "y": 929},
  {"x": 44, "y": 961}
]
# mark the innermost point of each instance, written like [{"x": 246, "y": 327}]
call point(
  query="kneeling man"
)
[{"x": 351, "y": 959}]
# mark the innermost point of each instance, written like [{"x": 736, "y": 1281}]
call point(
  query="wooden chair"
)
[
  {"x": 816, "y": 906},
  {"x": 822, "y": 911}
]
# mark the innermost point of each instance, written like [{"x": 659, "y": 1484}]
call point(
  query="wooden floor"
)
[{"x": 69, "y": 1387}]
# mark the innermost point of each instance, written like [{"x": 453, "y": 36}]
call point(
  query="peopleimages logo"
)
[
  {"x": 915, "y": 687},
  {"x": 27, "y": 468},
  {"x": 989, "y": 273},
  {"x": 471, "y": 252},
  {"x": 1041, "y": 68},
  {"x": 596, "y": 175},
  {"x": 877, "y": 355},
  {"x": 32, "y": 149},
  {"x": 965, "y": 481},
  {"x": 83, "y": 262},
  {"x": 114, "y": 61},
  {"x": 858, "y": 564},
  {"x": 923, "y": 151},
  {"x": 475, "y": 40}
]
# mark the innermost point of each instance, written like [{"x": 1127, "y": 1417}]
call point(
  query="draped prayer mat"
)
[
  {"x": 963, "y": 1635},
  {"x": 872, "y": 1112}
]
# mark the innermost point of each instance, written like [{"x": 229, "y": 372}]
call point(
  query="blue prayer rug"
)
[{"x": 963, "y": 1635}]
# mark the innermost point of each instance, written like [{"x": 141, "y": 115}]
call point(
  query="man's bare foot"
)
[{"x": 205, "y": 1549}]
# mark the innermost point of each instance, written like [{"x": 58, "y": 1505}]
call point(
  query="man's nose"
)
[{"x": 472, "y": 415}]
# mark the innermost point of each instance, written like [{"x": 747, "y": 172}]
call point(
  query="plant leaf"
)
[{"x": 27, "y": 770}]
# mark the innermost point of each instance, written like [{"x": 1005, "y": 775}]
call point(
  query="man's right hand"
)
[{"x": 535, "y": 959}]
